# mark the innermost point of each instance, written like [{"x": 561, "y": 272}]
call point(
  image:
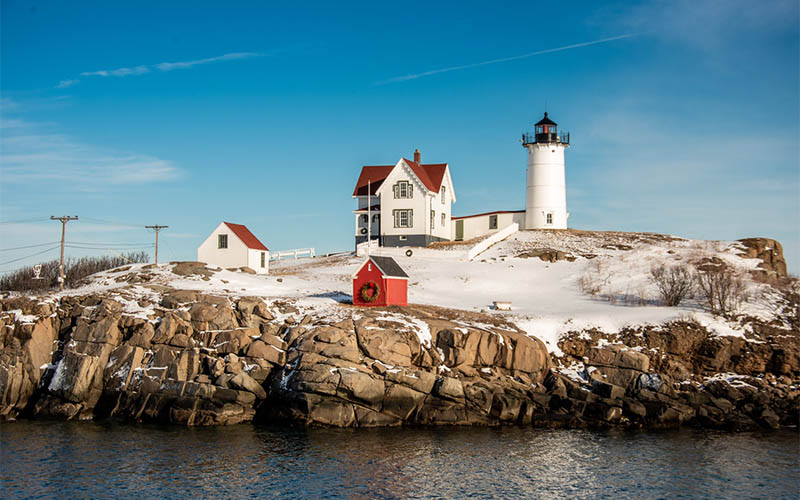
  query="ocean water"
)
[{"x": 113, "y": 460}]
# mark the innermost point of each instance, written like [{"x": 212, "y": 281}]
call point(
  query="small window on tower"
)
[
  {"x": 222, "y": 241},
  {"x": 549, "y": 218}
]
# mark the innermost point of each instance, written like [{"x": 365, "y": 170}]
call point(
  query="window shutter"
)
[
  {"x": 410, "y": 218},
  {"x": 410, "y": 190},
  {"x": 395, "y": 188}
]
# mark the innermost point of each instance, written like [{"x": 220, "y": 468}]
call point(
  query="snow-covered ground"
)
[{"x": 546, "y": 298}]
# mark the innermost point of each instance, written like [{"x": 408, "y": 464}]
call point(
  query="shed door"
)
[{"x": 459, "y": 230}]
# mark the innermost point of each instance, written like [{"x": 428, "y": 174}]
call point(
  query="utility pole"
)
[
  {"x": 63, "y": 221},
  {"x": 156, "y": 228}
]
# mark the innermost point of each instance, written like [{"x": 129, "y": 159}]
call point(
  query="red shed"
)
[{"x": 380, "y": 282}]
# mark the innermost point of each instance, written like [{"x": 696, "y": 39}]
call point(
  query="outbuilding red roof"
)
[
  {"x": 431, "y": 175},
  {"x": 248, "y": 238}
]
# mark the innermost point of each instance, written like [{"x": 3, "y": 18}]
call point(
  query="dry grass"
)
[{"x": 451, "y": 244}]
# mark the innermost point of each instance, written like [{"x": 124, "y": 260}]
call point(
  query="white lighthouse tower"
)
[{"x": 546, "y": 199}]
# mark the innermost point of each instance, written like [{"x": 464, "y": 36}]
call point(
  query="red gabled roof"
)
[
  {"x": 431, "y": 175},
  {"x": 374, "y": 175},
  {"x": 246, "y": 236}
]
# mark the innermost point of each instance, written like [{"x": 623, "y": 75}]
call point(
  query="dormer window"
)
[{"x": 403, "y": 189}]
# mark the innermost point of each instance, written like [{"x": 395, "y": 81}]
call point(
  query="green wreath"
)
[{"x": 376, "y": 291}]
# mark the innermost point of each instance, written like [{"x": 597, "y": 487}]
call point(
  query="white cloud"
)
[
  {"x": 66, "y": 83},
  {"x": 709, "y": 24},
  {"x": 41, "y": 158},
  {"x": 164, "y": 66}
]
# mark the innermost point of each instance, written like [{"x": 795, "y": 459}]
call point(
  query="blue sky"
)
[{"x": 187, "y": 114}]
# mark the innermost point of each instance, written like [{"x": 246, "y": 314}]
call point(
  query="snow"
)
[
  {"x": 548, "y": 301},
  {"x": 22, "y": 318}
]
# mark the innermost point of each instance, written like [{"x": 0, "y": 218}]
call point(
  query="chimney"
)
[{"x": 417, "y": 156}]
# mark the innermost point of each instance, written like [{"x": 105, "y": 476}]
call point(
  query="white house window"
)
[
  {"x": 222, "y": 241},
  {"x": 403, "y": 218},
  {"x": 442, "y": 219},
  {"x": 263, "y": 259},
  {"x": 403, "y": 189},
  {"x": 376, "y": 218},
  {"x": 493, "y": 222},
  {"x": 549, "y": 218},
  {"x": 443, "y": 192},
  {"x": 433, "y": 219},
  {"x": 364, "y": 218}
]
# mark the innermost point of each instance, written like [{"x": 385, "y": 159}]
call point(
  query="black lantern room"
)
[{"x": 546, "y": 132}]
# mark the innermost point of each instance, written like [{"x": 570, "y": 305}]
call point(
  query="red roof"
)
[
  {"x": 374, "y": 175},
  {"x": 431, "y": 175},
  {"x": 246, "y": 236}
]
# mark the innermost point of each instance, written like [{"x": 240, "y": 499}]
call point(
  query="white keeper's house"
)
[
  {"x": 405, "y": 204},
  {"x": 234, "y": 246}
]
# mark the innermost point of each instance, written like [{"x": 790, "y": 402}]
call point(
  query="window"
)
[
  {"x": 364, "y": 218},
  {"x": 403, "y": 189},
  {"x": 493, "y": 222},
  {"x": 403, "y": 218},
  {"x": 263, "y": 259},
  {"x": 433, "y": 219},
  {"x": 549, "y": 218},
  {"x": 442, "y": 219},
  {"x": 443, "y": 192},
  {"x": 222, "y": 241},
  {"x": 376, "y": 218}
]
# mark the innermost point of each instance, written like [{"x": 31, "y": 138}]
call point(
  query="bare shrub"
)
[
  {"x": 594, "y": 278},
  {"x": 22, "y": 279},
  {"x": 674, "y": 283},
  {"x": 722, "y": 288}
]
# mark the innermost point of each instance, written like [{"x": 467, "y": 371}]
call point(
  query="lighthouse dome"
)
[{"x": 546, "y": 121}]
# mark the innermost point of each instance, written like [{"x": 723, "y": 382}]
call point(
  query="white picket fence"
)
[{"x": 297, "y": 253}]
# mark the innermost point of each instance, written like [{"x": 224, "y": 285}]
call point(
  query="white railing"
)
[
  {"x": 298, "y": 253},
  {"x": 500, "y": 235}
]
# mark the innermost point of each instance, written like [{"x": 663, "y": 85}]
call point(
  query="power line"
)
[
  {"x": 110, "y": 247},
  {"x": 27, "y": 256},
  {"x": 107, "y": 244},
  {"x": 21, "y": 221},
  {"x": 108, "y": 222},
  {"x": 29, "y": 246}
]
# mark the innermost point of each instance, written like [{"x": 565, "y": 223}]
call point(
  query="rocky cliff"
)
[{"x": 184, "y": 357}]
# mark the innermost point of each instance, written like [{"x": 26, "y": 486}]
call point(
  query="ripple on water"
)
[{"x": 105, "y": 459}]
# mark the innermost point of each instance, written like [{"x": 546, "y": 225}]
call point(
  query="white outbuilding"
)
[{"x": 233, "y": 246}]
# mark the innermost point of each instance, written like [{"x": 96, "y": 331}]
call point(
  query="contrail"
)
[{"x": 504, "y": 59}]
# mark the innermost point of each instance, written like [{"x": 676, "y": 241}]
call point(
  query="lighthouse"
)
[{"x": 546, "y": 198}]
